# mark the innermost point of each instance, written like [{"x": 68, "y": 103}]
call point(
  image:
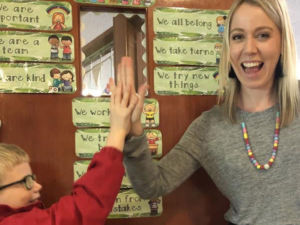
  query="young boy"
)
[{"x": 93, "y": 194}]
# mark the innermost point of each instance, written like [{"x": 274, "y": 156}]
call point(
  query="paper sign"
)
[
  {"x": 90, "y": 141},
  {"x": 131, "y": 3},
  {"x": 186, "y": 80},
  {"x": 91, "y": 112},
  {"x": 200, "y": 52},
  {"x": 80, "y": 167},
  {"x": 129, "y": 204},
  {"x": 42, "y": 47},
  {"x": 95, "y": 112},
  {"x": 188, "y": 22},
  {"x": 36, "y": 15},
  {"x": 37, "y": 78}
]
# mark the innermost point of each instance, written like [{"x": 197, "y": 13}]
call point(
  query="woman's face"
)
[
  {"x": 17, "y": 196},
  {"x": 255, "y": 46}
]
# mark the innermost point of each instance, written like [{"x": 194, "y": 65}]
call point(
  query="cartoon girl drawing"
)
[
  {"x": 58, "y": 21},
  {"x": 136, "y": 2},
  {"x": 152, "y": 138},
  {"x": 58, "y": 12},
  {"x": 67, "y": 79},
  {"x": 221, "y": 24}
]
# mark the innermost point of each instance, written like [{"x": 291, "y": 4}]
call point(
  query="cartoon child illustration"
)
[
  {"x": 150, "y": 110},
  {"x": 147, "y": 2},
  {"x": 58, "y": 21},
  {"x": 218, "y": 48},
  {"x": 152, "y": 138},
  {"x": 66, "y": 42},
  {"x": 136, "y": 2},
  {"x": 221, "y": 24},
  {"x": 58, "y": 12},
  {"x": 216, "y": 75},
  {"x": 54, "y": 42},
  {"x": 67, "y": 79},
  {"x": 153, "y": 204},
  {"x": 56, "y": 83}
]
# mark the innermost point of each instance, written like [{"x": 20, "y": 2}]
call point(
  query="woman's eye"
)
[
  {"x": 263, "y": 36},
  {"x": 236, "y": 37}
]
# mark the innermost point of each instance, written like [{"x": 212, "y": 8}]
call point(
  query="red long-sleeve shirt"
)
[{"x": 90, "y": 202}]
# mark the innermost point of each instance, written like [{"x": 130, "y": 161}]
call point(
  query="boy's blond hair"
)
[{"x": 10, "y": 156}]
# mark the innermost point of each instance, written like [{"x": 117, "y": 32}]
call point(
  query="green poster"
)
[
  {"x": 128, "y": 205},
  {"x": 188, "y": 22},
  {"x": 124, "y": 3},
  {"x": 33, "y": 46},
  {"x": 80, "y": 167},
  {"x": 186, "y": 80},
  {"x": 37, "y": 78},
  {"x": 36, "y": 15},
  {"x": 95, "y": 112},
  {"x": 91, "y": 112},
  {"x": 90, "y": 141},
  {"x": 176, "y": 51}
]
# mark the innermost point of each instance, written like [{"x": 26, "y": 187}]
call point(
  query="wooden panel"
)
[{"x": 42, "y": 125}]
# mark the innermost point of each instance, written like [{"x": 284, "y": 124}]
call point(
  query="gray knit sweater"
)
[{"x": 257, "y": 197}]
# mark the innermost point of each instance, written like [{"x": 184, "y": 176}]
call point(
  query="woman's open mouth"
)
[{"x": 252, "y": 67}]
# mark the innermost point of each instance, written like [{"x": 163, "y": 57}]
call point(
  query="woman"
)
[
  {"x": 93, "y": 195},
  {"x": 237, "y": 141}
]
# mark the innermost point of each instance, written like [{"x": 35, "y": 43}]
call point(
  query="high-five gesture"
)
[
  {"x": 123, "y": 102},
  {"x": 125, "y": 76}
]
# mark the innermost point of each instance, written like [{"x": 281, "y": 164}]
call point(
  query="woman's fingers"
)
[
  {"x": 133, "y": 102},
  {"x": 125, "y": 97},
  {"x": 118, "y": 94}
]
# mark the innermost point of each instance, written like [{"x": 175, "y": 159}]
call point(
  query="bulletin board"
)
[{"x": 53, "y": 119}]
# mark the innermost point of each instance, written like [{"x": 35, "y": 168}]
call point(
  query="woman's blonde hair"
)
[
  {"x": 11, "y": 156},
  {"x": 286, "y": 87}
]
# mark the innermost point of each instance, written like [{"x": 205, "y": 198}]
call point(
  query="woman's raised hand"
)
[
  {"x": 126, "y": 76},
  {"x": 123, "y": 103}
]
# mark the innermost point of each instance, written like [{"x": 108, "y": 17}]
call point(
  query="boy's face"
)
[
  {"x": 17, "y": 195},
  {"x": 56, "y": 76},
  {"x": 66, "y": 42}
]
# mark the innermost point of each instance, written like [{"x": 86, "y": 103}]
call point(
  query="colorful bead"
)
[{"x": 275, "y": 146}]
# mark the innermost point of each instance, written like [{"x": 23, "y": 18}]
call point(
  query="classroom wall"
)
[{"x": 42, "y": 125}]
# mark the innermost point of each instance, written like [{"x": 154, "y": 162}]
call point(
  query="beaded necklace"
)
[{"x": 251, "y": 155}]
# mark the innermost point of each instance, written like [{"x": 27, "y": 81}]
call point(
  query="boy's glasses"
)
[{"x": 27, "y": 180}]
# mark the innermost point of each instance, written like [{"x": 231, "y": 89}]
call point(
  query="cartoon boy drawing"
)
[
  {"x": 152, "y": 138},
  {"x": 221, "y": 24},
  {"x": 218, "y": 48},
  {"x": 54, "y": 42},
  {"x": 150, "y": 110},
  {"x": 67, "y": 79},
  {"x": 56, "y": 83},
  {"x": 147, "y": 2},
  {"x": 66, "y": 42},
  {"x": 153, "y": 204}
]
